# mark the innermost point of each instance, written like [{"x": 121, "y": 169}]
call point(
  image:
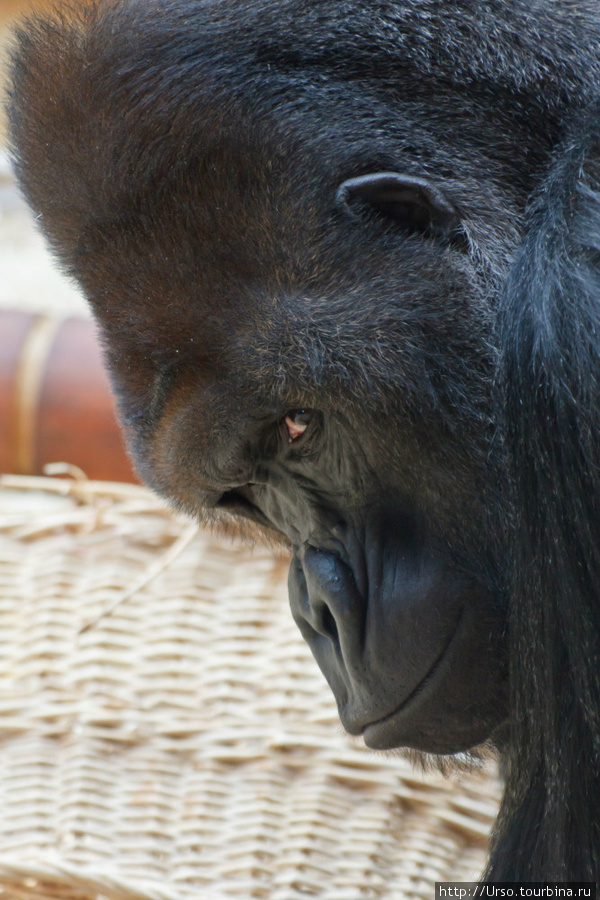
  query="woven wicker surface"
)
[{"x": 184, "y": 744}]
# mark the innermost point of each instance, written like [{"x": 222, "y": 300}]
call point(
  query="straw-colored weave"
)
[{"x": 186, "y": 745}]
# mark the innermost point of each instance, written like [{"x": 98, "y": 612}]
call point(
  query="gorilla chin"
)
[
  {"x": 437, "y": 719},
  {"x": 451, "y": 696}
]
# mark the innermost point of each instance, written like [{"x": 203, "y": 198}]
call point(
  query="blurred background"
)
[
  {"x": 28, "y": 279},
  {"x": 55, "y": 403}
]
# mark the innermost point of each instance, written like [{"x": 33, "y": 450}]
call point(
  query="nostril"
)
[
  {"x": 330, "y": 612},
  {"x": 328, "y": 625},
  {"x": 334, "y": 607}
]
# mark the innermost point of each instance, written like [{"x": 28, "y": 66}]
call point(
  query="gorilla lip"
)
[{"x": 383, "y": 734}]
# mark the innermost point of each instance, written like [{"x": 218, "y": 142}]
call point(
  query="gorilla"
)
[{"x": 345, "y": 258}]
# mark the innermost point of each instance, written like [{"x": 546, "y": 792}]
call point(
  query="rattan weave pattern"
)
[{"x": 186, "y": 745}]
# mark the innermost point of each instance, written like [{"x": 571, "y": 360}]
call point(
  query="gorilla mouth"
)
[{"x": 391, "y": 730}]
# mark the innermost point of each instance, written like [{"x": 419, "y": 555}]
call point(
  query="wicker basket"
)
[{"x": 165, "y": 733}]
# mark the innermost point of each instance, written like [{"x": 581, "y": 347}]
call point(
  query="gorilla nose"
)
[{"x": 325, "y": 599}]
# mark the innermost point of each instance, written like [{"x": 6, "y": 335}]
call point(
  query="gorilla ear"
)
[{"x": 413, "y": 204}]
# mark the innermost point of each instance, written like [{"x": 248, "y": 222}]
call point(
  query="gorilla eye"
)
[{"x": 296, "y": 422}]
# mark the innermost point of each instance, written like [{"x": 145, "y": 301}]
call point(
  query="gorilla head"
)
[{"x": 299, "y": 227}]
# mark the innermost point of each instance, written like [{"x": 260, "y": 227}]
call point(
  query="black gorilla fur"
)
[{"x": 346, "y": 261}]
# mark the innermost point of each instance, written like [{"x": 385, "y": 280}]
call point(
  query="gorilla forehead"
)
[
  {"x": 246, "y": 235},
  {"x": 201, "y": 73}
]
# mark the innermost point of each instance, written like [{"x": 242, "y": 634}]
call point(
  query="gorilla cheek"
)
[{"x": 407, "y": 670}]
